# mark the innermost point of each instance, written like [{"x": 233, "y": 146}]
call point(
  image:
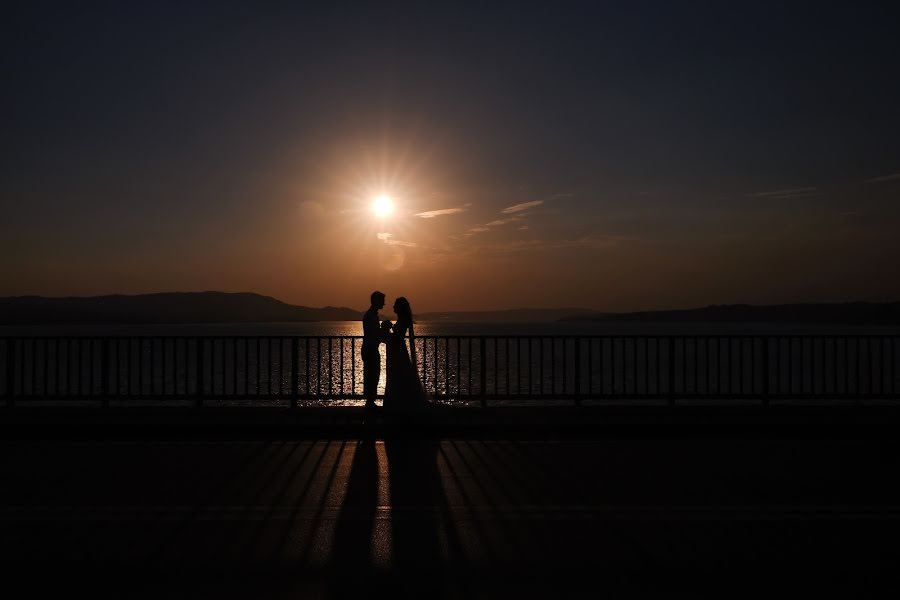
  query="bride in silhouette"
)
[{"x": 403, "y": 390}]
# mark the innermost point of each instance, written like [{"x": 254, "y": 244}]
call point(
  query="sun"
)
[{"x": 382, "y": 206}]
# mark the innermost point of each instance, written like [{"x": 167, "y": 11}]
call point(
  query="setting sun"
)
[{"x": 382, "y": 206}]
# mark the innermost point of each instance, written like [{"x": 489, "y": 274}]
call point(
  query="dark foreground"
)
[{"x": 720, "y": 512}]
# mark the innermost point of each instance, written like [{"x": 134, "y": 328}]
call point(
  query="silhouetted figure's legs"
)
[{"x": 372, "y": 338}]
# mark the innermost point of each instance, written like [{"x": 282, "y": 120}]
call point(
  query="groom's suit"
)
[{"x": 372, "y": 337}]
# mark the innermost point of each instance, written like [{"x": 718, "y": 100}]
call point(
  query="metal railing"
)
[{"x": 312, "y": 369}]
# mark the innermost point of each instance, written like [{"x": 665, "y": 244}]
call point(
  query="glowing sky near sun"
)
[{"x": 587, "y": 156}]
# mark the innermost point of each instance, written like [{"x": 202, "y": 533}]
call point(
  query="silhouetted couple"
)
[{"x": 403, "y": 391}]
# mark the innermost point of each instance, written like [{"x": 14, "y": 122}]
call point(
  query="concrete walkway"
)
[
  {"x": 472, "y": 516},
  {"x": 30, "y": 420}
]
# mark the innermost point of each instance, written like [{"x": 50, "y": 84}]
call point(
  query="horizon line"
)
[{"x": 574, "y": 309}]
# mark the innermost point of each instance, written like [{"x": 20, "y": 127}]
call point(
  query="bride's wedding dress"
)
[{"x": 403, "y": 389}]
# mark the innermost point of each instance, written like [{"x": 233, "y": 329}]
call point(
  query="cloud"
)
[
  {"x": 498, "y": 222},
  {"x": 518, "y": 216},
  {"x": 430, "y": 214},
  {"x": 592, "y": 241},
  {"x": 800, "y": 192},
  {"x": 439, "y": 213},
  {"x": 475, "y": 230},
  {"x": 883, "y": 178},
  {"x": 387, "y": 238},
  {"x": 519, "y": 207}
]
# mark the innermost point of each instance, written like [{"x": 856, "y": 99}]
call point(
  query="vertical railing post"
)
[
  {"x": 295, "y": 370},
  {"x": 765, "y": 360},
  {"x": 671, "y": 371},
  {"x": 578, "y": 371},
  {"x": 104, "y": 371},
  {"x": 10, "y": 373},
  {"x": 483, "y": 360},
  {"x": 199, "y": 367}
]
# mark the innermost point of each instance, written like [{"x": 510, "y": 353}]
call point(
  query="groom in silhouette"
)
[{"x": 372, "y": 337}]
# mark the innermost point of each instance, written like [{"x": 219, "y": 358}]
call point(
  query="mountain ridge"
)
[
  {"x": 857, "y": 313},
  {"x": 247, "y": 307},
  {"x": 164, "y": 307},
  {"x": 510, "y": 315}
]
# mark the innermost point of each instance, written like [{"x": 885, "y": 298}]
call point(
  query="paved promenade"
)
[{"x": 263, "y": 514}]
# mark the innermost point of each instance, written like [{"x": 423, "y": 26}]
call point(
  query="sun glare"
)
[{"x": 382, "y": 206}]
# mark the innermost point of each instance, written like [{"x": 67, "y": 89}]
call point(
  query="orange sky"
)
[{"x": 307, "y": 235}]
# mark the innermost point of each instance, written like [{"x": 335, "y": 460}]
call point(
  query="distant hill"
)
[
  {"x": 515, "y": 315},
  {"x": 851, "y": 313},
  {"x": 222, "y": 307},
  {"x": 176, "y": 307}
]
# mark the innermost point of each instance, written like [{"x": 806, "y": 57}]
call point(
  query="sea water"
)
[{"x": 509, "y": 362}]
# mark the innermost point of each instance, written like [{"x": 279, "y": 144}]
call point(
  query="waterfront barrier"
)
[{"x": 470, "y": 369}]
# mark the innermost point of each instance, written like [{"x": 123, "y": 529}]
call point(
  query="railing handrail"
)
[
  {"x": 457, "y": 366},
  {"x": 640, "y": 336}
]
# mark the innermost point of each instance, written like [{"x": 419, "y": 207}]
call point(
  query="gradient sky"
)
[{"x": 625, "y": 156}]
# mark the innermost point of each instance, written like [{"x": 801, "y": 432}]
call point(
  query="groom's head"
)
[{"x": 377, "y": 299}]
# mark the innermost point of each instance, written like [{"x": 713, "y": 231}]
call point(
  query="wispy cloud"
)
[
  {"x": 519, "y": 207},
  {"x": 388, "y": 239},
  {"x": 883, "y": 178},
  {"x": 439, "y": 213},
  {"x": 518, "y": 216},
  {"x": 430, "y": 214},
  {"x": 597, "y": 241},
  {"x": 475, "y": 230},
  {"x": 800, "y": 192}
]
